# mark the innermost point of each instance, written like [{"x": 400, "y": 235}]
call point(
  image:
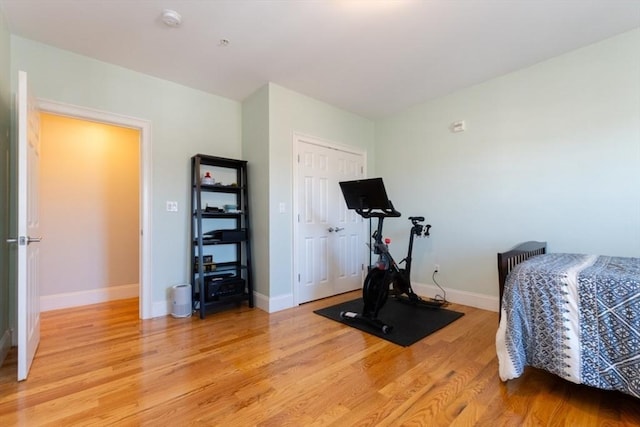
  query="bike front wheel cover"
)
[{"x": 375, "y": 291}]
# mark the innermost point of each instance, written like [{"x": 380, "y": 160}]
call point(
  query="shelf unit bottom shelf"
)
[{"x": 222, "y": 302}]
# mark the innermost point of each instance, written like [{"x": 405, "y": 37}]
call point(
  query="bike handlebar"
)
[
  {"x": 375, "y": 213},
  {"x": 379, "y": 212}
]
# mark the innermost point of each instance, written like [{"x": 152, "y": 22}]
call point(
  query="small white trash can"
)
[{"x": 181, "y": 300}]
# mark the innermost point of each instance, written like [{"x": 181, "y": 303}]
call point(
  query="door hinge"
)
[{"x": 298, "y": 277}]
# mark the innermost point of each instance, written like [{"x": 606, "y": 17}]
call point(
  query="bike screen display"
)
[{"x": 365, "y": 194}]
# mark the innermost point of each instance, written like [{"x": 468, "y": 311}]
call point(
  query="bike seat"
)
[{"x": 416, "y": 218}]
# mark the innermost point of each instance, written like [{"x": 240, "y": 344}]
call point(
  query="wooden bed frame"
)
[{"x": 509, "y": 259}]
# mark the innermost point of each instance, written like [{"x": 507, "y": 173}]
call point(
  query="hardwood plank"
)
[{"x": 101, "y": 365}]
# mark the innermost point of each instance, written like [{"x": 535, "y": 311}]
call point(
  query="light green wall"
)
[
  {"x": 551, "y": 152},
  {"x": 561, "y": 139},
  {"x": 255, "y": 150},
  {"x": 5, "y": 120},
  {"x": 184, "y": 122}
]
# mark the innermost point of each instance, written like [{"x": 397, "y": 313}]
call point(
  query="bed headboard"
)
[{"x": 509, "y": 259}]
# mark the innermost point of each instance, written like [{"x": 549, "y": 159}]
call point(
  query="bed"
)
[{"x": 574, "y": 315}]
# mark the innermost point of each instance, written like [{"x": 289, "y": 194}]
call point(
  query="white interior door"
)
[
  {"x": 330, "y": 245},
  {"x": 28, "y": 228},
  {"x": 348, "y": 235}
]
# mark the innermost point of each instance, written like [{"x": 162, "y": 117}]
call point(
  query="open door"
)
[{"x": 28, "y": 227}]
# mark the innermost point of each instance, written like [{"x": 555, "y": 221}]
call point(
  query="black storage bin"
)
[
  {"x": 234, "y": 235},
  {"x": 217, "y": 287}
]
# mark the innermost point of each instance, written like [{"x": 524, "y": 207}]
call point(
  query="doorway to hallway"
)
[
  {"x": 89, "y": 200},
  {"x": 144, "y": 232}
]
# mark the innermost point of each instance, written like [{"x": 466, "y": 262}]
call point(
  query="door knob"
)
[
  {"x": 330, "y": 229},
  {"x": 24, "y": 240},
  {"x": 339, "y": 229}
]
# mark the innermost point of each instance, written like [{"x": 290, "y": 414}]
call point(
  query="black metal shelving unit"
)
[{"x": 221, "y": 267}]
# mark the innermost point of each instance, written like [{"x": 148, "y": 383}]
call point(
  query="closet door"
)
[{"x": 330, "y": 238}]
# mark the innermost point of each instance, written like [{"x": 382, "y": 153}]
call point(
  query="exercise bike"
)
[{"x": 368, "y": 198}]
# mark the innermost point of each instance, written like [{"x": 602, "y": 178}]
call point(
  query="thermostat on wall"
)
[{"x": 459, "y": 126}]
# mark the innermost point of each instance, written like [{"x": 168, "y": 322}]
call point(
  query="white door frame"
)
[
  {"x": 296, "y": 140},
  {"x": 144, "y": 126}
]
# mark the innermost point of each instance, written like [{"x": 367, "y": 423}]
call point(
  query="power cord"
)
[{"x": 439, "y": 298}]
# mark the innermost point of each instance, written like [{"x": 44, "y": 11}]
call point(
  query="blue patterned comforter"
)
[{"x": 577, "y": 316}]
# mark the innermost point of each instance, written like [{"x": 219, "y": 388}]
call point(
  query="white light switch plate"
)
[{"x": 172, "y": 206}]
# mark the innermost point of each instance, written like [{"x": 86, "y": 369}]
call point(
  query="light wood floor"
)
[{"x": 100, "y": 365}]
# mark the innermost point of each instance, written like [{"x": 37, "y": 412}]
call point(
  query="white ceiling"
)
[{"x": 371, "y": 57}]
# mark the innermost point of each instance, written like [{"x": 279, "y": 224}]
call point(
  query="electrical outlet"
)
[{"x": 436, "y": 268}]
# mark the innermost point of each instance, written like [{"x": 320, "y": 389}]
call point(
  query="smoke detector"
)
[{"x": 171, "y": 18}]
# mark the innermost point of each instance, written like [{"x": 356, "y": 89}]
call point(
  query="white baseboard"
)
[
  {"x": 5, "y": 345},
  {"x": 92, "y": 296},
  {"x": 471, "y": 299},
  {"x": 282, "y": 302},
  {"x": 261, "y": 301},
  {"x": 161, "y": 308},
  {"x": 484, "y": 302},
  {"x": 271, "y": 305}
]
